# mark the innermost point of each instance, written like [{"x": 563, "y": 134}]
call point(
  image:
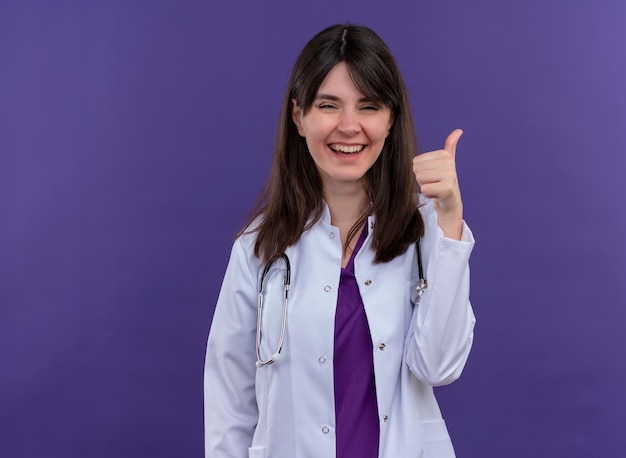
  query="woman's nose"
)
[{"x": 349, "y": 122}]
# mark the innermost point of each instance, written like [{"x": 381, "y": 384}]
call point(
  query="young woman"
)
[{"x": 341, "y": 358}]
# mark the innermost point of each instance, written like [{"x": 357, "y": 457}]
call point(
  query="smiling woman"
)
[
  {"x": 344, "y": 131},
  {"x": 353, "y": 359}
]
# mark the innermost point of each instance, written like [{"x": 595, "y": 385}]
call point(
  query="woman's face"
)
[{"x": 344, "y": 131}]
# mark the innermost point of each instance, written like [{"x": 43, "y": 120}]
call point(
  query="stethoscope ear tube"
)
[{"x": 286, "y": 282}]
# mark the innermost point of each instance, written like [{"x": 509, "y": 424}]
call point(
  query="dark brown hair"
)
[{"x": 292, "y": 200}]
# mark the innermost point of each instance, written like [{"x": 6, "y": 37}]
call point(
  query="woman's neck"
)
[{"x": 346, "y": 206}]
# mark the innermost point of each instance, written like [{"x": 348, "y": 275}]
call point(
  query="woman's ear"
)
[
  {"x": 391, "y": 120},
  {"x": 296, "y": 115}
]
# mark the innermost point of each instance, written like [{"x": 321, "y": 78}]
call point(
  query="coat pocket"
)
[
  {"x": 436, "y": 440},
  {"x": 256, "y": 452}
]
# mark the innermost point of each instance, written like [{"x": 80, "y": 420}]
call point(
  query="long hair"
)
[{"x": 292, "y": 200}]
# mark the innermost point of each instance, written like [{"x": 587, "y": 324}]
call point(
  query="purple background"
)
[{"x": 135, "y": 135}]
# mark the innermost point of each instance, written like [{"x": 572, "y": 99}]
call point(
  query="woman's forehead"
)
[{"x": 339, "y": 84}]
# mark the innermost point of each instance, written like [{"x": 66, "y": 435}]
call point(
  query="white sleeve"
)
[
  {"x": 230, "y": 409},
  {"x": 442, "y": 328}
]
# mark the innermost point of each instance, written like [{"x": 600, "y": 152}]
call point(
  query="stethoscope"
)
[{"x": 417, "y": 291}]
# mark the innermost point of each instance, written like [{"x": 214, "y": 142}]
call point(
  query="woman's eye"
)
[
  {"x": 370, "y": 107},
  {"x": 325, "y": 106}
]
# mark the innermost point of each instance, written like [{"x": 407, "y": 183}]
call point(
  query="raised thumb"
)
[{"x": 452, "y": 140}]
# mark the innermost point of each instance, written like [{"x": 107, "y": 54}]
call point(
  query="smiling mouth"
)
[{"x": 346, "y": 149}]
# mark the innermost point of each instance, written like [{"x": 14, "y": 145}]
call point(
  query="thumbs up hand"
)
[{"x": 435, "y": 173}]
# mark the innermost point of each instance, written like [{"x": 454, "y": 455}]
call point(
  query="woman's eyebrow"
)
[{"x": 334, "y": 98}]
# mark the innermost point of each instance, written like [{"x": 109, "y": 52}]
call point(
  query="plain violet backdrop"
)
[{"x": 135, "y": 136}]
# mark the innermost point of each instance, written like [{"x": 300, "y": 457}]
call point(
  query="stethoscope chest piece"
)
[{"x": 417, "y": 290}]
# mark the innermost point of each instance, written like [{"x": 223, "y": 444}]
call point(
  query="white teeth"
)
[{"x": 346, "y": 148}]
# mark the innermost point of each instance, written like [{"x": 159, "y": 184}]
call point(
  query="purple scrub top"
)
[{"x": 356, "y": 411}]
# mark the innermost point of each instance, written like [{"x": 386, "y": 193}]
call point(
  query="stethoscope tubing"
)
[{"x": 416, "y": 295}]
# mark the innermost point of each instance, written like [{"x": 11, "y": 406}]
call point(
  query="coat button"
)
[
  {"x": 322, "y": 360},
  {"x": 386, "y": 418},
  {"x": 327, "y": 288},
  {"x": 381, "y": 346},
  {"x": 325, "y": 429},
  {"x": 332, "y": 235},
  {"x": 368, "y": 282}
]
